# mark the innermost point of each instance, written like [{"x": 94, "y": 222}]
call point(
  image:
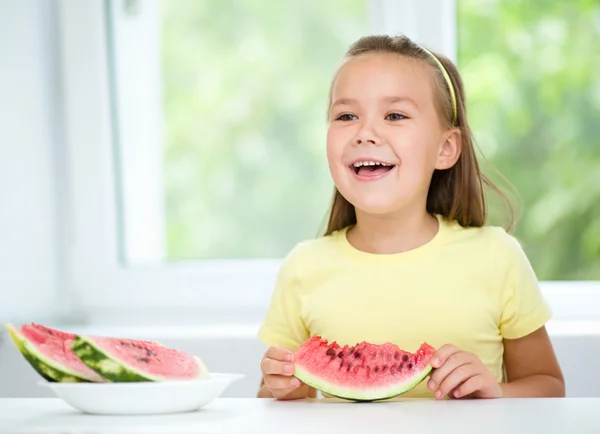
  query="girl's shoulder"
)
[
  {"x": 496, "y": 235},
  {"x": 315, "y": 256},
  {"x": 491, "y": 239},
  {"x": 316, "y": 248}
]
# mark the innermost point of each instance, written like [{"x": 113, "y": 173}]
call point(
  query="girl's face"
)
[{"x": 385, "y": 135}]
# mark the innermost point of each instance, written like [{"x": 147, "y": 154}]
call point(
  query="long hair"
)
[{"x": 456, "y": 193}]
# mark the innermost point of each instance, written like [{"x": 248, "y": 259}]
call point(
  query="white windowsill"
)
[{"x": 243, "y": 297}]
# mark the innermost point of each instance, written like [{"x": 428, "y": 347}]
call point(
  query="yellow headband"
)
[{"x": 448, "y": 82}]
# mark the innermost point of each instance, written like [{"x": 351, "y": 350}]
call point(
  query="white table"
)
[{"x": 264, "y": 416}]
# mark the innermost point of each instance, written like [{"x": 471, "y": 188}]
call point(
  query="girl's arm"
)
[{"x": 531, "y": 367}]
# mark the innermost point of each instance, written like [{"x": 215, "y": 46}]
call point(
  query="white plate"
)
[{"x": 143, "y": 398}]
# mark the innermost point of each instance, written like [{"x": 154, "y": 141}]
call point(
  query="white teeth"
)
[{"x": 371, "y": 163}]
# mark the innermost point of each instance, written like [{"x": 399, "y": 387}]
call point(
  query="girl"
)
[{"x": 407, "y": 256}]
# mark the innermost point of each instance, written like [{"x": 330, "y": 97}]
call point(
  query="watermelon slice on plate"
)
[
  {"x": 364, "y": 372},
  {"x": 49, "y": 352},
  {"x": 127, "y": 360}
]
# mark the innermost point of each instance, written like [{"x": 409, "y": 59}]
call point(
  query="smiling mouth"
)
[{"x": 371, "y": 168}]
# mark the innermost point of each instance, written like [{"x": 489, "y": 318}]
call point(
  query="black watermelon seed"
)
[
  {"x": 352, "y": 351},
  {"x": 397, "y": 355},
  {"x": 349, "y": 366},
  {"x": 144, "y": 359},
  {"x": 401, "y": 366},
  {"x": 405, "y": 358},
  {"x": 357, "y": 355},
  {"x": 410, "y": 366},
  {"x": 383, "y": 368},
  {"x": 376, "y": 369},
  {"x": 330, "y": 352},
  {"x": 341, "y": 354}
]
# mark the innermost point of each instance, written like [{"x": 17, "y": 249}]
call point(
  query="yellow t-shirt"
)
[{"x": 469, "y": 287}]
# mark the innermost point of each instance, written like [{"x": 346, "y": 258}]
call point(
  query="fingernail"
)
[
  {"x": 295, "y": 382},
  {"x": 431, "y": 384},
  {"x": 438, "y": 394},
  {"x": 289, "y": 368},
  {"x": 435, "y": 361}
]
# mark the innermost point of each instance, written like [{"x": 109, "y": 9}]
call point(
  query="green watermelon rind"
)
[
  {"x": 114, "y": 369},
  {"x": 44, "y": 366},
  {"x": 15, "y": 335},
  {"x": 48, "y": 371},
  {"x": 358, "y": 394}
]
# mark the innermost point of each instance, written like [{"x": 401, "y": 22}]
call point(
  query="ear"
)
[{"x": 450, "y": 149}]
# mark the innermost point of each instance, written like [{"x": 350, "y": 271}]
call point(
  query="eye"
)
[
  {"x": 346, "y": 117},
  {"x": 395, "y": 117}
]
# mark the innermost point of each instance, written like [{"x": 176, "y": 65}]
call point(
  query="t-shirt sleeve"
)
[
  {"x": 524, "y": 309},
  {"x": 283, "y": 324}
]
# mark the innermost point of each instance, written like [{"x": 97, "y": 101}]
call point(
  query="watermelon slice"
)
[
  {"x": 127, "y": 360},
  {"x": 49, "y": 352},
  {"x": 364, "y": 372}
]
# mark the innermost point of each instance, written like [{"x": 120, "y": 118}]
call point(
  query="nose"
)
[
  {"x": 359, "y": 141},
  {"x": 366, "y": 135}
]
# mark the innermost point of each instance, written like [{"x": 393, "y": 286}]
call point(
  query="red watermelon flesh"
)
[
  {"x": 153, "y": 359},
  {"x": 364, "y": 372},
  {"x": 52, "y": 348}
]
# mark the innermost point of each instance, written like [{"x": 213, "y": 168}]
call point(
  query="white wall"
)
[{"x": 29, "y": 115}]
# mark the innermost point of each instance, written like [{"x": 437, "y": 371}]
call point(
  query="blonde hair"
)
[{"x": 456, "y": 193}]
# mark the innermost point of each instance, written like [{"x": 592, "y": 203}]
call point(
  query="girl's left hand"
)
[{"x": 459, "y": 374}]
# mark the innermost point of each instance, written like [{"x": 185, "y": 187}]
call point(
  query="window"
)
[
  {"x": 221, "y": 122},
  {"x": 533, "y": 98}
]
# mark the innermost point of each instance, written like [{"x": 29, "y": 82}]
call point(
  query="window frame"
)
[{"x": 101, "y": 286}]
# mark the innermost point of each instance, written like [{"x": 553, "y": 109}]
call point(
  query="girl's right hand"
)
[{"x": 277, "y": 368}]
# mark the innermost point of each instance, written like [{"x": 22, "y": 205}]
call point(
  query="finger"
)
[
  {"x": 472, "y": 385},
  {"x": 455, "y": 378},
  {"x": 280, "y": 353},
  {"x": 453, "y": 362},
  {"x": 442, "y": 354},
  {"x": 280, "y": 383},
  {"x": 275, "y": 367}
]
